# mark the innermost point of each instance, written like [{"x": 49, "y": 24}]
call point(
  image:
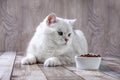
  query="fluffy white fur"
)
[{"x": 50, "y": 48}]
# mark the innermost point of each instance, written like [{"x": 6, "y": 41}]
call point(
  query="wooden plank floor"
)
[
  {"x": 6, "y": 64},
  {"x": 109, "y": 70}
]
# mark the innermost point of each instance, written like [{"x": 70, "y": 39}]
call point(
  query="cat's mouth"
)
[
  {"x": 62, "y": 42},
  {"x": 66, "y": 43}
]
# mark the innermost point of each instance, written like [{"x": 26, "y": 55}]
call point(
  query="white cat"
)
[{"x": 55, "y": 42}]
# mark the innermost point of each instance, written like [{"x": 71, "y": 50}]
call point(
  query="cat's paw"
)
[
  {"x": 28, "y": 60},
  {"x": 52, "y": 62}
]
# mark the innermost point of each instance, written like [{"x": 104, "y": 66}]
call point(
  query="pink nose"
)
[{"x": 66, "y": 39}]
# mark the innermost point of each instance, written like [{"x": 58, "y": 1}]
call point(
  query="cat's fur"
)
[{"x": 53, "y": 49}]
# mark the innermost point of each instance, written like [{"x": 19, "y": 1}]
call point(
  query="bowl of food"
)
[{"x": 88, "y": 61}]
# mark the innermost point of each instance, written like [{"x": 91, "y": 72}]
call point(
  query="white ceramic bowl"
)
[{"x": 89, "y": 63}]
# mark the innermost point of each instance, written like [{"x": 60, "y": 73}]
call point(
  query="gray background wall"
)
[{"x": 98, "y": 19}]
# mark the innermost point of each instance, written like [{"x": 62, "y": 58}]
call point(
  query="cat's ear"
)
[
  {"x": 71, "y": 21},
  {"x": 51, "y": 18}
]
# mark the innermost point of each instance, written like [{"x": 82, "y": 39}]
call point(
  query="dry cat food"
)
[{"x": 90, "y": 55}]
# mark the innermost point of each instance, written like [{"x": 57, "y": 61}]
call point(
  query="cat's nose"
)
[{"x": 66, "y": 39}]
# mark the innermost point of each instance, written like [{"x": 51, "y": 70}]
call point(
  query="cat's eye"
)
[
  {"x": 69, "y": 34},
  {"x": 60, "y": 33}
]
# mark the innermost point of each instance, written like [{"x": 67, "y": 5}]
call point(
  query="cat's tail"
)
[{"x": 81, "y": 41}]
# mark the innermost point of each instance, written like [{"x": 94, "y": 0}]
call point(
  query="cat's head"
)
[{"x": 60, "y": 29}]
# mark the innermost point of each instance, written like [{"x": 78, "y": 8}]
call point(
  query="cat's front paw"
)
[
  {"x": 27, "y": 60},
  {"x": 52, "y": 62}
]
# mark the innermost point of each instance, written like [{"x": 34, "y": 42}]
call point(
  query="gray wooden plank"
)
[
  {"x": 35, "y": 73},
  {"x": 109, "y": 70},
  {"x": 111, "y": 66},
  {"x": 18, "y": 70},
  {"x": 6, "y": 65},
  {"x": 114, "y": 60},
  {"x": 27, "y": 72},
  {"x": 91, "y": 75},
  {"x": 59, "y": 73}
]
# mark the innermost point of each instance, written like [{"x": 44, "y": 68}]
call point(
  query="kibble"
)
[{"x": 90, "y": 55}]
